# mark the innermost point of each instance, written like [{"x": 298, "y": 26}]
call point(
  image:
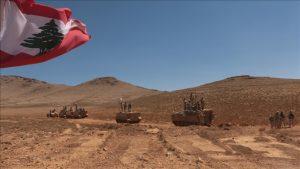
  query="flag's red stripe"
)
[
  {"x": 73, "y": 39},
  {"x": 29, "y": 7}
]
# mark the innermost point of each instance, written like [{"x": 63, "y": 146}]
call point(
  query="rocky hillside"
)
[
  {"x": 243, "y": 100},
  {"x": 21, "y": 91}
]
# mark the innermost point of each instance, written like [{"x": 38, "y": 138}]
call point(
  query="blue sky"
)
[{"x": 172, "y": 45}]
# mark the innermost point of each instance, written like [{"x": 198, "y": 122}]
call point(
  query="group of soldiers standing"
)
[
  {"x": 51, "y": 111},
  {"x": 193, "y": 103},
  {"x": 278, "y": 120},
  {"x": 72, "y": 112},
  {"x": 71, "y": 108},
  {"x": 124, "y": 106}
]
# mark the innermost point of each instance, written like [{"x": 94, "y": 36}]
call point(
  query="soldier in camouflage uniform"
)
[
  {"x": 184, "y": 104},
  {"x": 282, "y": 119},
  {"x": 291, "y": 117},
  {"x": 277, "y": 119},
  {"x": 125, "y": 106},
  {"x": 129, "y": 107},
  {"x": 121, "y": 105},
  {"x": 202, "y": 103},
  {"x": 272, "y": 121}
]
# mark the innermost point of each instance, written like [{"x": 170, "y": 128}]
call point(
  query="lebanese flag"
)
[{"x": 33, "y": 33}]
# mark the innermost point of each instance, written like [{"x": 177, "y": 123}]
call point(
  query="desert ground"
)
[
  {"x": 244, "y": 103},
  {"x": 31, "y": 140}
]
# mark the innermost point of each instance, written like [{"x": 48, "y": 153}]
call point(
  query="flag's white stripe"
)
[
  {"x": 2, "y": 12},
  {"x": 16, "y": 27}
]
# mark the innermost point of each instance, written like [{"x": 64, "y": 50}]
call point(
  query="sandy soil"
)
[{"x": 30, "y": 140}]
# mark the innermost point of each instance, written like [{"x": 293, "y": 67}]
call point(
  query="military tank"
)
[
  {"x": 52, "y": 113},
  {"x": 63, "y": 112},
  {"x": 78, "y": 113},
  {"x": 193, "y": 113},
  {"x": 128, "y": 117}
]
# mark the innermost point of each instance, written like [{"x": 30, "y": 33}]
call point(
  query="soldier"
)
[
  {"x": 198, "y": 106},
  {"x": 129, "y": 107},
  {"x": 282, "y": 119},
  {"x": 50, "y": 112},
  {"x": 210, "y": 117},
  {"x": 277, "y": 120},
  {"x": 194, "y": 108},
  {"x": 62, "y": 113},
  {"x": 184, "y": 104},
  {"x": 71, "y": 111},
  {"x": 291, "y": 117},
  {"x": 76, "y": 107},
  {"x": 192, "y": 103},
  {"x": 121, "y": 104},
  {"x": 271, "y": 120},
  {"x": 189, "y": 105},
  {"x": 202, "y": 103},
  {"x": 125, "y": 107},
  {"x": 191, "y": 97}
]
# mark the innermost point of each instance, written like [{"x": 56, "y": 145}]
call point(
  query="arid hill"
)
[
  {"x": 243, "y": 100},
  {"x": 31, "y": 140},
  {"x": 21, "y": 91},
  {"x": 16, "y": 90}
]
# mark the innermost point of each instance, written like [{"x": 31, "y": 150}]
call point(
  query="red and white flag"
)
[{"x": 32, "y": 33}]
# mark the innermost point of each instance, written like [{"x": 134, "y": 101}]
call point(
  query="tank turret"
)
[{"x": 193, "y": 113}]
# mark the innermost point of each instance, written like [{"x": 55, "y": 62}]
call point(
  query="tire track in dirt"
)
[
  {"x": 69, "y": 149},
  {"x": 251, "y": 148},
  {"x": 214, "y": 152},
  {"x": 134, "y": 155},
  {"x": 237, "y": 155},
  {"x": 81, "y": 156},
  {"x": 264, "y": 151},
  {"x": 74, "y": 151},
  {"x": 134, "y": 147},
  {"x": 111, "y": 152},
  {"x": 88, "y": 143},
  {"x": 186, "y": 149}
]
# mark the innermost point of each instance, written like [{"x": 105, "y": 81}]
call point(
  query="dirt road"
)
[{"x": 38, "y": 142}]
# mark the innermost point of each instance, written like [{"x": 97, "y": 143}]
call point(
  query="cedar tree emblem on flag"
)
[
  {"x": 46, "y": 40},
  {"x": 32, "y": 33}
]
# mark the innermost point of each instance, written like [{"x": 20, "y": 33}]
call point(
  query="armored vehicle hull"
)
[
  {"x": 52, "y": 115},
  {"x": 128, "y": 117},
  {"x": 80, "y": 114},
  {"x": 186, "y": 118},
  {"x": 77, "y": 114}
]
